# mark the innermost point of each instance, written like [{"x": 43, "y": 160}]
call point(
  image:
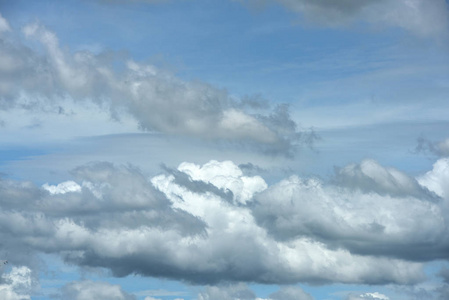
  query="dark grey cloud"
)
[
  {"x": 251, "y": 169},
  {"x": 198, "y": 186},
  {"x": 444, "y": 273},
  {"x": 280, "y": 121},
  {"x": 442, "y": 292},
  {"x": 426, "y": 146}
]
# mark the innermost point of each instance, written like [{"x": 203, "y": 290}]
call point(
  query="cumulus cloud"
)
[
  {"x": 226, "y": 176},
  {"x": 370, "y": 176},
  {"x": 62, "y": 188},
  {"x": 158, "y": 100},
  {"x": 116, "y": 218},
  {"x": 213, "y": 223},
  {"x": 436, "y": 180},
  {"x": 420, "y": 17},
  {"x": 17, "y": 284},
  {"x": 367, "y": 296},
  {"x": 87, "y": 290},
  {"x": 111, "y": 201},
  {"x": 365, "y": 222}
]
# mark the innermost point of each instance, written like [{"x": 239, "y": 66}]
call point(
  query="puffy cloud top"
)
[{"x": 211, "y": 223}]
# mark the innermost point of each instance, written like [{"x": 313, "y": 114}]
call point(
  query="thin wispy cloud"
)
[
  {"x": 420, "y": 17},
  {"x": 155, "y": 98}
]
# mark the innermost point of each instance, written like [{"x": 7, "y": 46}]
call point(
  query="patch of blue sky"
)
[
  {"x": 11, "y": 155},
  {"x": 8, "y": 154},
  {"x": 262, "y": 51}
]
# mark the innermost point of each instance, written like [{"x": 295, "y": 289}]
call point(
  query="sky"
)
[{"x": 224, "y": 150}]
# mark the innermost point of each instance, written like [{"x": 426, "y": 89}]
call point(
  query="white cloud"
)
[
  {"x": 229, "y": 222},
  {"x": 443, "y": 147},
  {"x": 226, "y": 175},
  {"x": 352, "y": 219},
  {"x": 371, "y": 176},
  {"x": 185, "y": 224},
  {"x": 4, "y": 25},
  {"x": 62, "y": 188},
  {"x": 436, "y": 180},
  {"x": 17, "y": 285},
  {"x": 57, "y": 79},
  {"x": 368, "y": 296}
]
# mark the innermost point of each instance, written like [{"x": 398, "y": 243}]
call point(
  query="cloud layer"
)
[{"x": 211, "y": 223}]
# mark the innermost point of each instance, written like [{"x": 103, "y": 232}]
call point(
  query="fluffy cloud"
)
[
  {"x": 212, "y": 223},
  {"x": 230, "y": 221},
  {"x": 386, "y": 215},
  {"x": 17, "y": 284},
  {"x": 369, "y": 176},
  {"x": 436, "y": 180},
  {"x": 421, "y": 17},
  {"x": 226, "y": 176},
  {"x": 368, "y": 296},
  {"x": 157, "y": 100},
  {"x": 87, "y": 290}
]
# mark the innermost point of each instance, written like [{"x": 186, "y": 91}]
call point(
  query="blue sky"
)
[{"x": 228, "y": 149}]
